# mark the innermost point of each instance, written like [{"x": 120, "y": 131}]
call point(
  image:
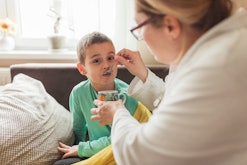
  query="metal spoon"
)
[{"x": 109, "y": 71}]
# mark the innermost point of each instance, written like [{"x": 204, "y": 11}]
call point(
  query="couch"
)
[
  {"x": 35, "y": 112},
  {"x": 59, "y": 79}
]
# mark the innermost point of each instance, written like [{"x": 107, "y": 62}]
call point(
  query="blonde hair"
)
[{"x": 201, "y": 14}]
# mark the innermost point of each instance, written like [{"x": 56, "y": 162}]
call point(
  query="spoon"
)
[{"x": 109, "y": 71}]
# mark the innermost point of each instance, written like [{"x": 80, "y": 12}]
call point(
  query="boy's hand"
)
[{"x": 68, "y": 150}]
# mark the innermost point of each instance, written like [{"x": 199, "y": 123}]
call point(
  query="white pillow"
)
[{"x": 31, "y": 123}]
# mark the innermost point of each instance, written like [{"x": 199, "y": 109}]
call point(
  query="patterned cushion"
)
[{"x": 31, "y": 123}]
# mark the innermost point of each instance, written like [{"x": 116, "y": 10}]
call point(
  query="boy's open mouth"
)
[{"x": 108, "y": 72}]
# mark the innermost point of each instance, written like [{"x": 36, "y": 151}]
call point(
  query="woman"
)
[{"x": 202, "y": 114}]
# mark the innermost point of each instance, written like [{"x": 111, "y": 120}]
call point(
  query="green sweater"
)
[{"x": 81, "y": 103}]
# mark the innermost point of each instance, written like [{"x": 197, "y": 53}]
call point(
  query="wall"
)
[
  {"x": 146, "y": 55},
  {"x": 16, "y": 57},
  {"x": 240, "y": 3},
  {"x": 5, "y": 76},
  {"x": 7, "y": 59}
]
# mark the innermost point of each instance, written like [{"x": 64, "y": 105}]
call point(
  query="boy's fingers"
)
[
  {"x": 63, "y": 145},
  {"x": 64, "y": 150},
  {"x": 66, "y": 155}
]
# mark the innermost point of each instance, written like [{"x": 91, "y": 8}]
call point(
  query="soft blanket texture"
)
[
  {"x": 105, "y": 156},
  {"x": 31, "y": 123}
]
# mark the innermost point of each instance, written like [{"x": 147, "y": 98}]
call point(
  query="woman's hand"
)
[
  {"x": 68, "y": 150},
  {"x": 133, "y": 62},
  {"x": 105, "y": 111}
]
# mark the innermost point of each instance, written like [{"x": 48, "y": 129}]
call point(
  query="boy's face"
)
[{"x": 99, "y": 58}]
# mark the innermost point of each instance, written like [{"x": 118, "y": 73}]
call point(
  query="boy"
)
[{"x": 96, "y": 61}]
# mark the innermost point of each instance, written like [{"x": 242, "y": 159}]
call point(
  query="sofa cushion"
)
[{"x": 32, "y": 123}]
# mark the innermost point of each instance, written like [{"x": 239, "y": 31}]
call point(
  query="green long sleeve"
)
[{"x": 81, "y": 103}]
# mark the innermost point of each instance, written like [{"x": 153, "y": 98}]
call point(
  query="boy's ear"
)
[{"x": 81, "y": 69}]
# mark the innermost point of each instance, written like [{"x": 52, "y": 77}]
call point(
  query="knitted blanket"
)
[{"x": 32, "y": 123}]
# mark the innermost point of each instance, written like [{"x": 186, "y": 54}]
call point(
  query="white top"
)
[{"x": 202, "y": 118}]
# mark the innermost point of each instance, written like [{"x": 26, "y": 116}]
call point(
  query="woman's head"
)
[
  {"x": 174, "y": 25},
  {"x": 200, "y": 14}
]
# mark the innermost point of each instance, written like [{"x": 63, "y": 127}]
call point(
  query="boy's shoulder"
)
[
  {"x": 121, "y": 85},
  {"x": 82, "y": 85}
]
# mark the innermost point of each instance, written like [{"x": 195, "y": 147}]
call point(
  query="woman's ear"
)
[
  {"x": 172, "y": 26},
  {"x": 81, "y": 68}
]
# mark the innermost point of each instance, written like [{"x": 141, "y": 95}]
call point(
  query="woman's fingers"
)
[
  {"x": 95, "y": 117},
  {"x": 133, "y": 62},
  {"x": 105, "y": 111},
  {"x": 123, "y": 61},
  {"x": 124, "y": 57},
  {"x": 98, "y": 102},
  {"x": 95, "y": 111}
]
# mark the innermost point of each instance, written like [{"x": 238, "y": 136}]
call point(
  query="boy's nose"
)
[{"x": 107, "y": 65}]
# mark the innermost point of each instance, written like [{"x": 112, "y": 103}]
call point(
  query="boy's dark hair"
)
[{"x": 88, "y": 40}]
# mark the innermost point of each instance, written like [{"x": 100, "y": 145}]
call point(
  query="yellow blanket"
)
[{"x": 105, "y": 156}]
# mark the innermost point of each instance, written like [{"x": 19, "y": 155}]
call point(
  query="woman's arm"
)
[
  {"x": 146, "y": 86},
  {"x": 149, "y": 93}
]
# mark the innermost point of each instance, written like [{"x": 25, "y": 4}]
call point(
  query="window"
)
[{"x": 35, "y": 20}]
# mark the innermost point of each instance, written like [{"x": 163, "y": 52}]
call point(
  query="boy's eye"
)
[
  {"x": 111, "y": 58},
  {"x": 96, "y": 61}
]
